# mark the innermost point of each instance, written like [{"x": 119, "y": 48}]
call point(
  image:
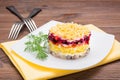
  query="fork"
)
[
  {"x": 18, "y": 25},
  {"x": 28, "y": 21}
]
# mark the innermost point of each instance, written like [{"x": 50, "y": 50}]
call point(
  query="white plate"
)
[{"x": 100, "y": 45}]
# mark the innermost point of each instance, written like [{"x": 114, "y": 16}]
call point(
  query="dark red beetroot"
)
[
  {"x": 86, "y": 39},
  {"x": 58, "y": 40}
]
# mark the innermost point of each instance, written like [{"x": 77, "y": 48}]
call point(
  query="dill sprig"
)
[{"x": 37, "y": 44}]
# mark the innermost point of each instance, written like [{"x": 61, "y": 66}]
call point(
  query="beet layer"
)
[{"x": 58, "y": 40}]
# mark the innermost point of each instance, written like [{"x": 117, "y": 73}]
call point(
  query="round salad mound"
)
[{"x": 69, "y": 40}]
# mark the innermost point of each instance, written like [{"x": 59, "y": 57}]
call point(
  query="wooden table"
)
[{"x": 105, "y": 14}]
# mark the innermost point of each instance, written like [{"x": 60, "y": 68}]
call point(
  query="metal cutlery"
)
[{"x": 18, "y": 25}]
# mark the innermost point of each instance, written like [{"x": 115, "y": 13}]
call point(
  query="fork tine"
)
[
  {"x": 27, "y": 24},
  {"x": 12, "y": 30},
  {"x": 35, "y": 27},
  {"x": 30, "y": 24},
  {"x": 18, "y": 30},
  {"x": 15, "y": 30}
]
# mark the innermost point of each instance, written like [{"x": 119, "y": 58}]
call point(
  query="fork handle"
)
[
  {"x": 13, "y": 10},
  {"x": 34, "y": 12}
]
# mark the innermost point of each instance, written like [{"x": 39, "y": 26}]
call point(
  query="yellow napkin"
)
[{"x": 31, "y": 71}]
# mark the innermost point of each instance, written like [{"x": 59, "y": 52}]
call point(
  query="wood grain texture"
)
[{"x": 105, "y": 14}]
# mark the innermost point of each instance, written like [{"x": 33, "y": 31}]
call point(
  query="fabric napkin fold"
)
[{"x": 30, "y": 71}]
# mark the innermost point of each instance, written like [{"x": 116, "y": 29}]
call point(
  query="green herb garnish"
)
[{"x": 37, "y": 44}]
